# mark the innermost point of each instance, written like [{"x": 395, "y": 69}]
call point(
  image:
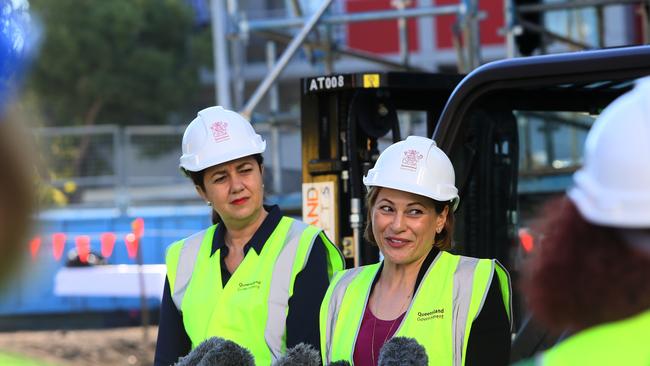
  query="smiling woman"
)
[
  {"x": 456, "y": 307},
  {"x": 271, "y": 271},
  {"x": 403, "y": 224}
]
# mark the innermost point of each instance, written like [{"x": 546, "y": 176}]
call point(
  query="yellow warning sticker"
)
[{"x": 371, "y": 80}]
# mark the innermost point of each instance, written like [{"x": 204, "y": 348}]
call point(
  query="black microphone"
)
[
  {"x": 339, "y": 363},
  {"x": 217, "y": 351},
  {"x": 301, "y": 354},
  {"x": 402, "y": 351}
]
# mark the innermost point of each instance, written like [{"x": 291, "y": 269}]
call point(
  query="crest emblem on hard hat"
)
[
  {"x": 220, "y": 131},
  {"x": 411, "y": 159}
]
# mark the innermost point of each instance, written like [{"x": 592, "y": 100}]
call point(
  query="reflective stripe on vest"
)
[
  {"x": 440, "y": 315},
  {"x": 279, "y": 292},
  {"x": 338, "y": 286},
  {"x": 268, "y": 277},
  {"x": 186, "y": 260},
  {"x": 462, "y": 296}
]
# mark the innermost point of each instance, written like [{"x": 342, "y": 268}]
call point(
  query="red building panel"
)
[
  {"x": 378, "y": 36},
  {"x": 382, "y": 36}
]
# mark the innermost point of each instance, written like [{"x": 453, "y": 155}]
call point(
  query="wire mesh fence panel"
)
[
  {"x": 151, "y": 155},
  {"x": 79, "y": 159},
  {"x": 111, "y": 166}
]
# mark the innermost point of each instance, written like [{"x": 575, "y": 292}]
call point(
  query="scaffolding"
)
[
  {"x": 231, "y": 29},
  {"x": 233, "y": 26}
]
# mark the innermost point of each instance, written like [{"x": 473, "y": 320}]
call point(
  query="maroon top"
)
[{"x": 383, "y": 330}]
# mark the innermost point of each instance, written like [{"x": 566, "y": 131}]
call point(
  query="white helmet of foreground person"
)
[
  {"x": 613, "y": 186},
  {"x": 216, "y": 136},
  {"x": 418, "y": 166}
]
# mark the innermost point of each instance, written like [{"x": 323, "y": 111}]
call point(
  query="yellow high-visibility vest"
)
[
  {"x": 625, "y": 342},
  {"x": 439, "y": 317},
  {"x": 251, "y": 310}
]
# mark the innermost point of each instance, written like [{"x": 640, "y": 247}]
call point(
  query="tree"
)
[
  {"x": 124, "y": 62},
  {"x": 118, "y": 61}
]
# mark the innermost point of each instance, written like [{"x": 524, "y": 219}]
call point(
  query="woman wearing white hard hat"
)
[
  {"x": 456, "y": 307},
  {"x": 256, "y": 277},
  {"x": 591, "y": 273}
]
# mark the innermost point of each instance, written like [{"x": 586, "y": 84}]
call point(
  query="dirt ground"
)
[{"x": 116, "y": 346}]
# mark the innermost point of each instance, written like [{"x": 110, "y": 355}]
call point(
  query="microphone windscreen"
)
[
  {"x": 402, "y": 351},
  {"x": 339, "y": 363},
  {"x": 228, "y": 353},
  {"x": 217, "y": 351},
  {"x": 301, "y": 354},
  {"x": 196, "y": 355}
]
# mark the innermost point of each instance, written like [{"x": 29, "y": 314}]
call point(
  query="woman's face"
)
[
  {"x": 404, "y": 225},
  {"x": 235, "y": 190}
]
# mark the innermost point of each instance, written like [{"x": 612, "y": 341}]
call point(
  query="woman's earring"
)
[
  {"x": 208, "y": 203},
  {"x": 438, "y": 230}
]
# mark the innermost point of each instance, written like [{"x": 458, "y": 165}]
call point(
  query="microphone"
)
[
  {"x": 340, "y": 363},
  {"x": 402, "y": 351},
  {"x": 302, "y": 354},
  {"x": 217, "y": 351}
]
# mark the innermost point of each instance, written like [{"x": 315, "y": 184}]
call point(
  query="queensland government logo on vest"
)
[
  {"x": 242, "y": 286},
  {"x": 430, "y": 315}
]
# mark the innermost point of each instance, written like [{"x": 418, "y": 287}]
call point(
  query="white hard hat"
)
[
  {"x": 418, "y": 166},
  {"x": 216, "y": 136},
  {"x": 613, "y": 186}
]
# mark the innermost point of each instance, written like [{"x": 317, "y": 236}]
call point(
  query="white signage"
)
[
  {"x": 318, "y": 206},
  {"x": 326, "y": 82}
]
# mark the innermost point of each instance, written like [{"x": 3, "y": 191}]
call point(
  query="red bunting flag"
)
[
  {"x": 83, "y": 247},
  {"x": 34, "y": 246},
  {"x": 131, "y": 245},
  {"x": 137, "y": 226},
  {"x": 108, "y": 243},
  {"x": 58, "y": 245}
]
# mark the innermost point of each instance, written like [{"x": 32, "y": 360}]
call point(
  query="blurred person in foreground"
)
[
  {"x": 17, "y": 192},
  {"x": 18, "y": 43},
  {"x": 591, "y": 272},
  {"x": 256, "y": 277},
  {"x": 458, "y": 308}
]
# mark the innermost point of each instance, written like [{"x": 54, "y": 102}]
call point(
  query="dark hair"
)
[
  {"x": 443, "y": 240},
  {"x": 197, "y": 179},
  {"x": 582, "y": 274}
]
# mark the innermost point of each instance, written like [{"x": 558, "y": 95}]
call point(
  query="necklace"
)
[{"x": 374, "y": 325}]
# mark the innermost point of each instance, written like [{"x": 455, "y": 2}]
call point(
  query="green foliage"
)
[{"x": 126, "y": 62}]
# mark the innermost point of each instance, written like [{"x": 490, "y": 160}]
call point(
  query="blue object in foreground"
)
[{"x": 19, "y": 34}]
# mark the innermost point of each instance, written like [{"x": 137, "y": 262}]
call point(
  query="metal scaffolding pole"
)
[
  {"x": 473, "y": 38},
  {"x": 509, "y": 17},
  {"x": 575, "y": 4},
  {"x": 402, "y": 30},
  {"x": 238, "y": 59},
  {"x": 220, "y": 53},
  {"x": 263, "y": 24},
  {"x": 274, "y": 107},
  {"x": 284, "y": 59},
  {"x": 341, "y": 50}
]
